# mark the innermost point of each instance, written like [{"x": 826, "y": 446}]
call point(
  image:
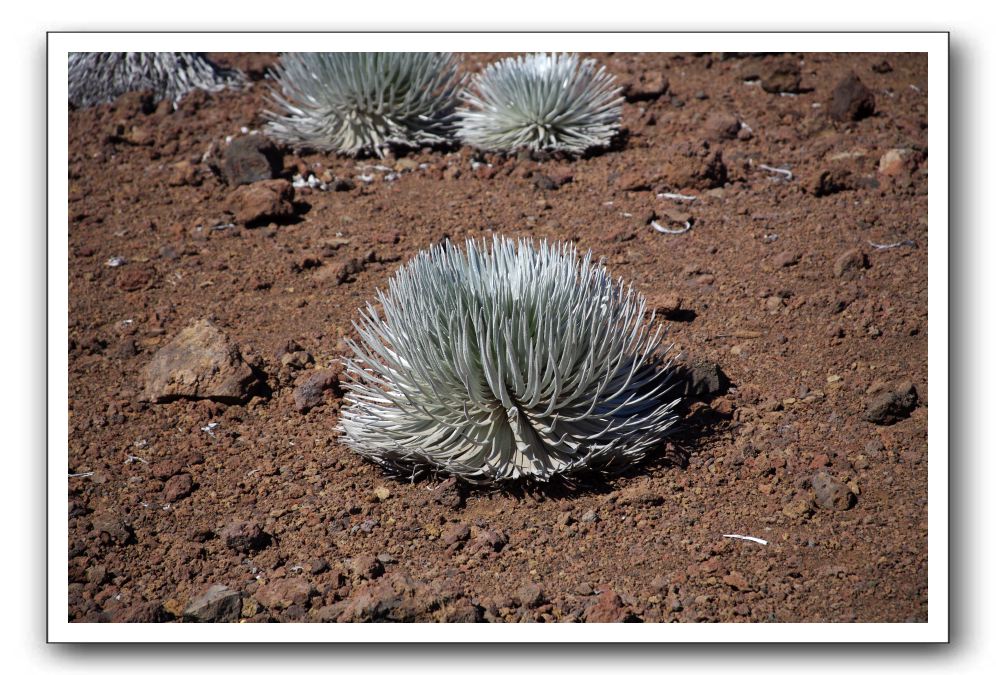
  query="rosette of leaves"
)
[
  {"x": 353, "y": 102},
  {"x": 505, "y": 363},
  {"x": 544, "y": 102},
  {"x": 100, "y": 77}
]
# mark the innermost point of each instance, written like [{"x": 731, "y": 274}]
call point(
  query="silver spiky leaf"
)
[
  {"x": 354, "y": 102},
  {"x": 513, "y": 362},
  {"x": 541, "y": 102},
  {"x": 100, "y": 77}
]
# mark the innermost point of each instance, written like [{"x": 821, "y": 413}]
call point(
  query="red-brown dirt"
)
[{"x": 777, "y": 281}]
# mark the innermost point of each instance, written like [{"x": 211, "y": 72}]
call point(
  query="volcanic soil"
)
[{"x": 794, "y": 285}]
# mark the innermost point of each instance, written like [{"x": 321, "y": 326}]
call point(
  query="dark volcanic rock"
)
[
  {"x": 245, "y": 537},
  {"x": 851, "y": 100},
  {"x": 891, "y": 406},
  {"x": 312, "y": 389},
  {"x": 218, "y": 604},
  {"x": 249, "y": 159},
  {"x": 200, "y": 362},
  {"x": 609, "y": 608},
  {"x": 831, "y": 494},
  {"x": 782, "y": 77},
  {"x": 282, "y": 593},
  {"x": 706, "y": 378},
  {"x": 261, "y": 203}
]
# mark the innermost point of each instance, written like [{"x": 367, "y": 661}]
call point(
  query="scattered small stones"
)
[
  {"x": 112, "y": 529},
  {"x": 590, "y": 516},
  {"x": 314, "y": 388},
  {"x": 890, "y": 406},
  {"x": 737, "y": 580},
  {"x": 200, "y": 362},
  {"x": 245, "y": 537},
  {"x": 218, "y": 604},
  {"x": 851, "y": 100},
  {"x": 831, "y": 494},
  {"x": 850, "y": 264},
  {"x": 782, "y": 77},
  {"x": 831, "y": 181},
  {"x": 798, "y": 508},
  {"x": 144, "y": 612},
  {"x": 381, "y": 493}
]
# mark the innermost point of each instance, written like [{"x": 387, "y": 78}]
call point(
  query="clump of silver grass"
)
[
  {"x": 510, "y": 363},
  {"x": 541, "y": 102},
  {"x": 100, "y": 77},
  {"x": 354, "y": 102}
]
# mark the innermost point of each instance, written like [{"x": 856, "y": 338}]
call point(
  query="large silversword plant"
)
[
  {"x": 100, "y": 77},
  {"x": 354, "y": 102},
  {"x": 541, "y": 102},
  {"x": 514, "y": 362}
]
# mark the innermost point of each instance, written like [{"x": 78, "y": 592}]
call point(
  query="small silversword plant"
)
[
  {"x": 354, "y": 102},
  {"x": 508, "y": 363},
  {"x": 541, "y": 102},
  {"x": 100, "y": 77}
]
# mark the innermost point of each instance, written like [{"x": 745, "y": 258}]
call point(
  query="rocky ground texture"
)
[{"x": 213, "y": 277}]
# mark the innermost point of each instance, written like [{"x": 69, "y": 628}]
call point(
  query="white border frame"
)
[{"x": 934, "y": 44}]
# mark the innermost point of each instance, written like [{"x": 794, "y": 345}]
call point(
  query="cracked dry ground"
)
[{"x": 252, "y": 510}]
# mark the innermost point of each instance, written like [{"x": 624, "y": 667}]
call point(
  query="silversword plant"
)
[
  {"x": 354, "y": 102},
  {"x": 514, "y": 362},
  {"x": 541, "y": 102},
  {"x": 100, "y": 77}
]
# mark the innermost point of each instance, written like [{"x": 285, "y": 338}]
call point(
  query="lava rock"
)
[
  {"x": 647, "y": 86},
  {"x": 111, "y": 529},
  {"x": 200, "y": 362},
  {"x": 245, "y": 537},
  {"x": 455, "y": 534},
  {"x": 851, "y": 100},
  {"x": 367, "y": 567},
  {"x": 146, "y": 612},
  {"x": 312, "y": 389},
  {"x": 831, "y": 494},
  {"x": 831, "y": 181},
  {"x": 695, "y": 166},
  {"x": 178, "y": 487},
  {"x": 283, "y": 593},
  {"x": 782, "y": 77},
  {"x": 449, "y": 493},
  {"x": 608, "y": 608},
  {"x": 721, "y": 126},
  {"x": 898, "y": 162},
  {"x": 218, "y": 604},
  {"x": 850, "y": 264},
  {"x": 260, "y": 203},
  {"x": 888, "y": 407},
  {"x": 531, "y": 596},
  {"x": 249, "y": 159},
  {"x": 706, "y": 378}
]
